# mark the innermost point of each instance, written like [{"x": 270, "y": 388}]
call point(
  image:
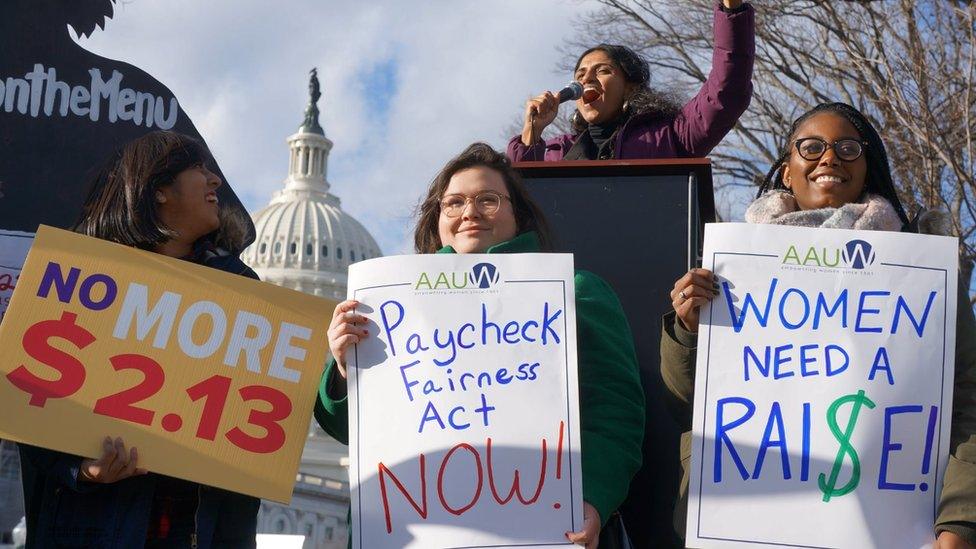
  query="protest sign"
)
[
  {"x": 463, "y": 404},
  {"x": 211, "y": 375},
  {"x": 13, "y": 251},
  {"x": 823, "y": 395}
]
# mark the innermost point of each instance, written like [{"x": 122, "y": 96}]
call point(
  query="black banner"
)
[{"x": 64, "y": 110}]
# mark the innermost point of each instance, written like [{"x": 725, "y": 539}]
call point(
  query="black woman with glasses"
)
[{"x": 834, "y": 173}]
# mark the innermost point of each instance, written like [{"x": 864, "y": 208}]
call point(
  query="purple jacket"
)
[{"x": 702, "y": 122}]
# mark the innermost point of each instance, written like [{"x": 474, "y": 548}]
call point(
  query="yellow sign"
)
[{"x": 212, "y": 376}]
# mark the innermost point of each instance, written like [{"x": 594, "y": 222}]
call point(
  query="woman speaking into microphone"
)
[{"x": 620, "y": 116}]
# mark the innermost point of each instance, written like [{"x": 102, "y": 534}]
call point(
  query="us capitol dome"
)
[{"x": 304, "y": 241}]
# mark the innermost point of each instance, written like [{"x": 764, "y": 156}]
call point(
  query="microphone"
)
[{"x": 572, "y": 92}]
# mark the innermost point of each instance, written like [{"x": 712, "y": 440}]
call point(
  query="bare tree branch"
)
[{"x": 909, "y": 65}]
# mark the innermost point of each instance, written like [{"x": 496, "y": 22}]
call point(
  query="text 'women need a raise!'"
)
[{"x": 855, "y": 317}]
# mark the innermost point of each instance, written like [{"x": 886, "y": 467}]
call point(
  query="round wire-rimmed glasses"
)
[
  {"x": 486, "y": 202},
  {"x": 813, "y": 148}
]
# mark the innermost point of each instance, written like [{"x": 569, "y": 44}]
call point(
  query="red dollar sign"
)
[{"x": 36, "y": 344}]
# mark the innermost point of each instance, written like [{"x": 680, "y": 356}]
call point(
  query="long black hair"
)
[
  {"x": 878, "y": 179},
  {"x": 121, "y": 205},
  {"x": 636, "y": 71}
]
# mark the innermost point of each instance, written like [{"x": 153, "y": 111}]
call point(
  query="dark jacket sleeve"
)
[
  {"x": 957, "y": 508},
  {"x": 679, "y": 351},
  {"x": 551, "y": 149},
  {"x": 61, "y": 467},
  {"x": 611, "y": 398},
  {"x": 518, "y": 152},
  {"x": 710, "y": 115},
  {"x": 332, "y": 405}
]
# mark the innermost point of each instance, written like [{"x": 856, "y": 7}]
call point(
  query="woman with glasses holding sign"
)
[
  {"x": 834, "y": 174},
  {"x": 618, "y": 115},
  {"x": 156, "y": 194},
  {"x": 477, "y": 204}
]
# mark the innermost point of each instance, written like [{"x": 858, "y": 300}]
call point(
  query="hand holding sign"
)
[
  {"x": 589, "y": 536},
  {"x": 115, "y": 464},
  {"x": 694, "y": 289},
  {"x": 345, "y": 331}
]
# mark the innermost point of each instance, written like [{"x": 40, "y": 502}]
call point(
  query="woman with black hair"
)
[
  {"x": 834, "y": 173},
  {"x": 620, "y": 116},
  {"x": 478, "y": 204},
  {"x": 156, "y": 194}
]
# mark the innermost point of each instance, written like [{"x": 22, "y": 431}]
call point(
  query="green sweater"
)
[{"x": 611, "y": 398}]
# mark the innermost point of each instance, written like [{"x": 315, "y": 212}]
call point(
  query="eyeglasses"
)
[
  {"x": 486, "y": 202},
  {"x": 813, "y": 148}
]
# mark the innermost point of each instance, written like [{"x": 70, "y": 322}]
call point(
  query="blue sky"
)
[
  {"x": 381, "y": 82},
  {"x": 405, "y": 86}
]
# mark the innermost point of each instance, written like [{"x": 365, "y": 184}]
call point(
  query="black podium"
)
[{"x": 639, "y": 225}]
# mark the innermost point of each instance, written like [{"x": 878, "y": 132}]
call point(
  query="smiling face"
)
[
  {"x": 828, "y": 181},
  {"x": 604, "y": 87},
  {"x": 189, "y": 205},
  {"x": 472, "y": 231}
]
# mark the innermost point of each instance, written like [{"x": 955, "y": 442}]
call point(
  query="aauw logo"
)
[
  {"x": 481, "y": 276},
  {"x": 856, "y": 254},
  {"x": 484, "y": 275}
]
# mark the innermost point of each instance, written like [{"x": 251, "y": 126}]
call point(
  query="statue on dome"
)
[
  {"x": 313, "y": 86},
  {"x": 311, "y": 123}
]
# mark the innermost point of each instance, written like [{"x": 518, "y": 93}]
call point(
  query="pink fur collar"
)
[{"x": 779, "y": 207}]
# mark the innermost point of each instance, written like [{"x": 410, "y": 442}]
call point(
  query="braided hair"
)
[{"x": 878, "y": 179}]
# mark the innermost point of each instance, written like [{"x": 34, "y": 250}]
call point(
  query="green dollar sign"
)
[{"x": 828, "y": 487}]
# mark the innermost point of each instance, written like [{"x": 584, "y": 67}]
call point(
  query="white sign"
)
[
  {"x": 823, "y": 395},
  {"x": 14, "y": 246},
  {"x": 463, "y": 404},
  {"x": 279, "y": 541}
]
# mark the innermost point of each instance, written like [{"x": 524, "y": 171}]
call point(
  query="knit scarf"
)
[{"x": 778, "y": 207}]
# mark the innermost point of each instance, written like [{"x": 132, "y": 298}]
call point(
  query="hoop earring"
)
[{"x": 625, "y": 108}]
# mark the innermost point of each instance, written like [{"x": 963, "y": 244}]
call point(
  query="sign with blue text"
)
[
  {"x": 823, "y": 395},
  {"x": 463, "y": 403}
]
